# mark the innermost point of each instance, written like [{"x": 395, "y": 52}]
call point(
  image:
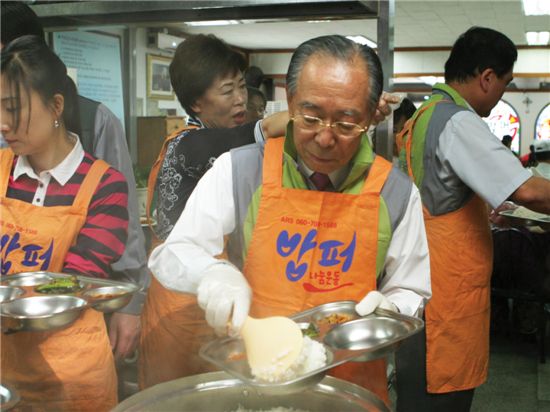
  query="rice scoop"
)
[{"x": 277, "y": 350}]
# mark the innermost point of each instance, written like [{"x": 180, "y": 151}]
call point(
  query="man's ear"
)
[
  {"x": 58, "y": 105},
  {"x": 486, "y": 79}
]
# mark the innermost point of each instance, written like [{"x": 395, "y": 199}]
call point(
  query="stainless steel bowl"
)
[
  {"x": 8, "y": 293},
  {"x": 41, "y": 313},
  {"x": 218, "y": 391},
  {"x": 31, "y": 279},
  {"x": 97, "y": 299},
  {"x": 370, "y": 332},
  {"x": 8, "y": 397}
]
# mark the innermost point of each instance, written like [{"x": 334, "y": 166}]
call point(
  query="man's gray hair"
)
[{"x": 343, "y": 49}]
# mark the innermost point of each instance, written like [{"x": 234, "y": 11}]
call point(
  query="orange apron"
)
[
  {"x": 67, "y": 370},
  {"x": 458, "y": 313},
  {"x": 307, "y": 249},
  {"x": 173, "y": 327}
]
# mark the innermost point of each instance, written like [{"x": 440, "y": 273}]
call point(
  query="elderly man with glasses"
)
[{"x": 310, "y": 218}]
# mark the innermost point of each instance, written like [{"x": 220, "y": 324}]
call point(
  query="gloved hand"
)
[
  {"x": 372, "y": 301},
  {"x": 225, "y": 296}
]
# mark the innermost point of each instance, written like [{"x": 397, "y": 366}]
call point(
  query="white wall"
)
[
  {"x": 149, "y": 105},
  {"x": 529, "y": 61}
]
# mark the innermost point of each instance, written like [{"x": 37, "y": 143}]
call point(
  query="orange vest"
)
[
  {"x": 173, "y": 327},
  {"x": 310, "y": 247},
  {"x": 71, "y": 369},
  {"x": 458, "y": 314}
]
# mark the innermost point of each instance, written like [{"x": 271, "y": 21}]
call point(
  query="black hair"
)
[
  {"x": 254, "y": 76},
  {"x": 27, "y": 63},
  {"x": 543, "y": 156},
  {"x": 198, "y": 61},
  {"x": 532, "y": 159},
  {"x": 341, "y": 48},
  {"x": 18, "y": 20},
  {"x": 506, "y": 140},
  {"x": 406, "y": 110},
  {"x": 253, "y": 92},
  {"x": 479, "y": 49}
]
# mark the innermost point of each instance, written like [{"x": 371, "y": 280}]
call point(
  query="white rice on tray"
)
[{"x": 313, "y": 356}]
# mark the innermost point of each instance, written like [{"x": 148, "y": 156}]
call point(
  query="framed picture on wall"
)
[{"x": 158, "y": 78}]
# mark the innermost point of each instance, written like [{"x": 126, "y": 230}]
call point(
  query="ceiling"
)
[
  {"x": 266, "y": 24},
  {"x": 417, "y": 24}
]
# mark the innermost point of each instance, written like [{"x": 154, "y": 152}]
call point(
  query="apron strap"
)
[
  {"x": 408, "y": 129},
  {"x": 152, "y": 180},
  {"x": 378, "y": 174},
  {"x": 91, "y": 181},
  {"x": 273, "y": 168},
  {"x": 6, "y": 163},
  {"x": 273, "y": 163}
]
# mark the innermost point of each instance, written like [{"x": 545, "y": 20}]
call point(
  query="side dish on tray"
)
[{"x": 59, "y": 286}]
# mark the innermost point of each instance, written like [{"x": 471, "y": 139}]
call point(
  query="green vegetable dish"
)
[
  {"x": 311, "y": 331},
  {"x": 60, "y": 285}
]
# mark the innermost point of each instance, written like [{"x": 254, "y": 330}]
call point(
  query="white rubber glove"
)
[
  {"x": 372, "y": 301},
  {"x": 225, "y": 296}
]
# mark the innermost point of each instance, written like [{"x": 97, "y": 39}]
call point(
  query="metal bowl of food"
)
[
  {"x": 41, "y": 313},
  {"x": 8, "y": 397},
  {"x": 109, "y": 298},
  {"x": 218, "y": 391},
  {"x": 8, "y": 293}
]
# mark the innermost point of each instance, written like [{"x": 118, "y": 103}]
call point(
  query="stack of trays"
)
[
  {"x": 345, "y": 335},
  {"x": 25, "y": 306}
]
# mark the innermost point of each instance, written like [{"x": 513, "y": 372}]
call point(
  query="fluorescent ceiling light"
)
[
  {"x": 536, "y": 7},
  {"x": 362, "y": 40},
  {"x": 537, "y": 38},
  {"x": 212, "y": 23},
  {"x": 319, "y": 21}
]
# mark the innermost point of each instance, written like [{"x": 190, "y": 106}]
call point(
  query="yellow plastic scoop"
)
[{"x": 272, "y": 346}]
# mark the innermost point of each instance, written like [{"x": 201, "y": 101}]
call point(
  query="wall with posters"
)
[{"x": 96, "y": 57}]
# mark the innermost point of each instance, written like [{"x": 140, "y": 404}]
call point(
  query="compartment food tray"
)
[
  {"x": 526, "y": 217},
  {"x": 20, "y": 287},
  {"x": 356, "y": 339}
]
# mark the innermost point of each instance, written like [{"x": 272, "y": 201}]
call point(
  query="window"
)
[
  {"x": 542, "y": 124},
  {"x": 504, "y": 120}
]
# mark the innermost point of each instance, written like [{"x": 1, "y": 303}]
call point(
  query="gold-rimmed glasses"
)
[{"x": 314, "y": 124}]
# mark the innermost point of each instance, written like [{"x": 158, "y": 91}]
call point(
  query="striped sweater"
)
[{"x": 101, "y": 240}]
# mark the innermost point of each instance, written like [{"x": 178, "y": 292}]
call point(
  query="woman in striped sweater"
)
[{"x": 60, "y": 210}]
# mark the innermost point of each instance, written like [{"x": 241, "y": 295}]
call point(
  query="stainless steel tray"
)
[
  {"x": 22, "y": 308},
  {"x": 357, "y": 339},
  {"x": 519, "y": 218}
]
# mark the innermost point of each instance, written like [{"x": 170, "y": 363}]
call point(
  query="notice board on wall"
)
[{"x": 97, "y": 60}]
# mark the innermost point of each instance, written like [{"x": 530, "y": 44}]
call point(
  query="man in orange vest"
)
[
  {"x": 459, "y": 166},
  {"x": 312, "y": 218}
]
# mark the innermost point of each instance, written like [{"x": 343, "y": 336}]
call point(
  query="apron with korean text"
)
[
  {"x": 71, "y": 369},
  {"x": 173, "y": 327},
  {"x": 309, "y": 248}
]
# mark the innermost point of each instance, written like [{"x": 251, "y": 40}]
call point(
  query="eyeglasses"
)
[{"x": 315, "y": 125}]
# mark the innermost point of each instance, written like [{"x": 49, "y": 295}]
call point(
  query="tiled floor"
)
[{"x": 517, "y": 382}]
